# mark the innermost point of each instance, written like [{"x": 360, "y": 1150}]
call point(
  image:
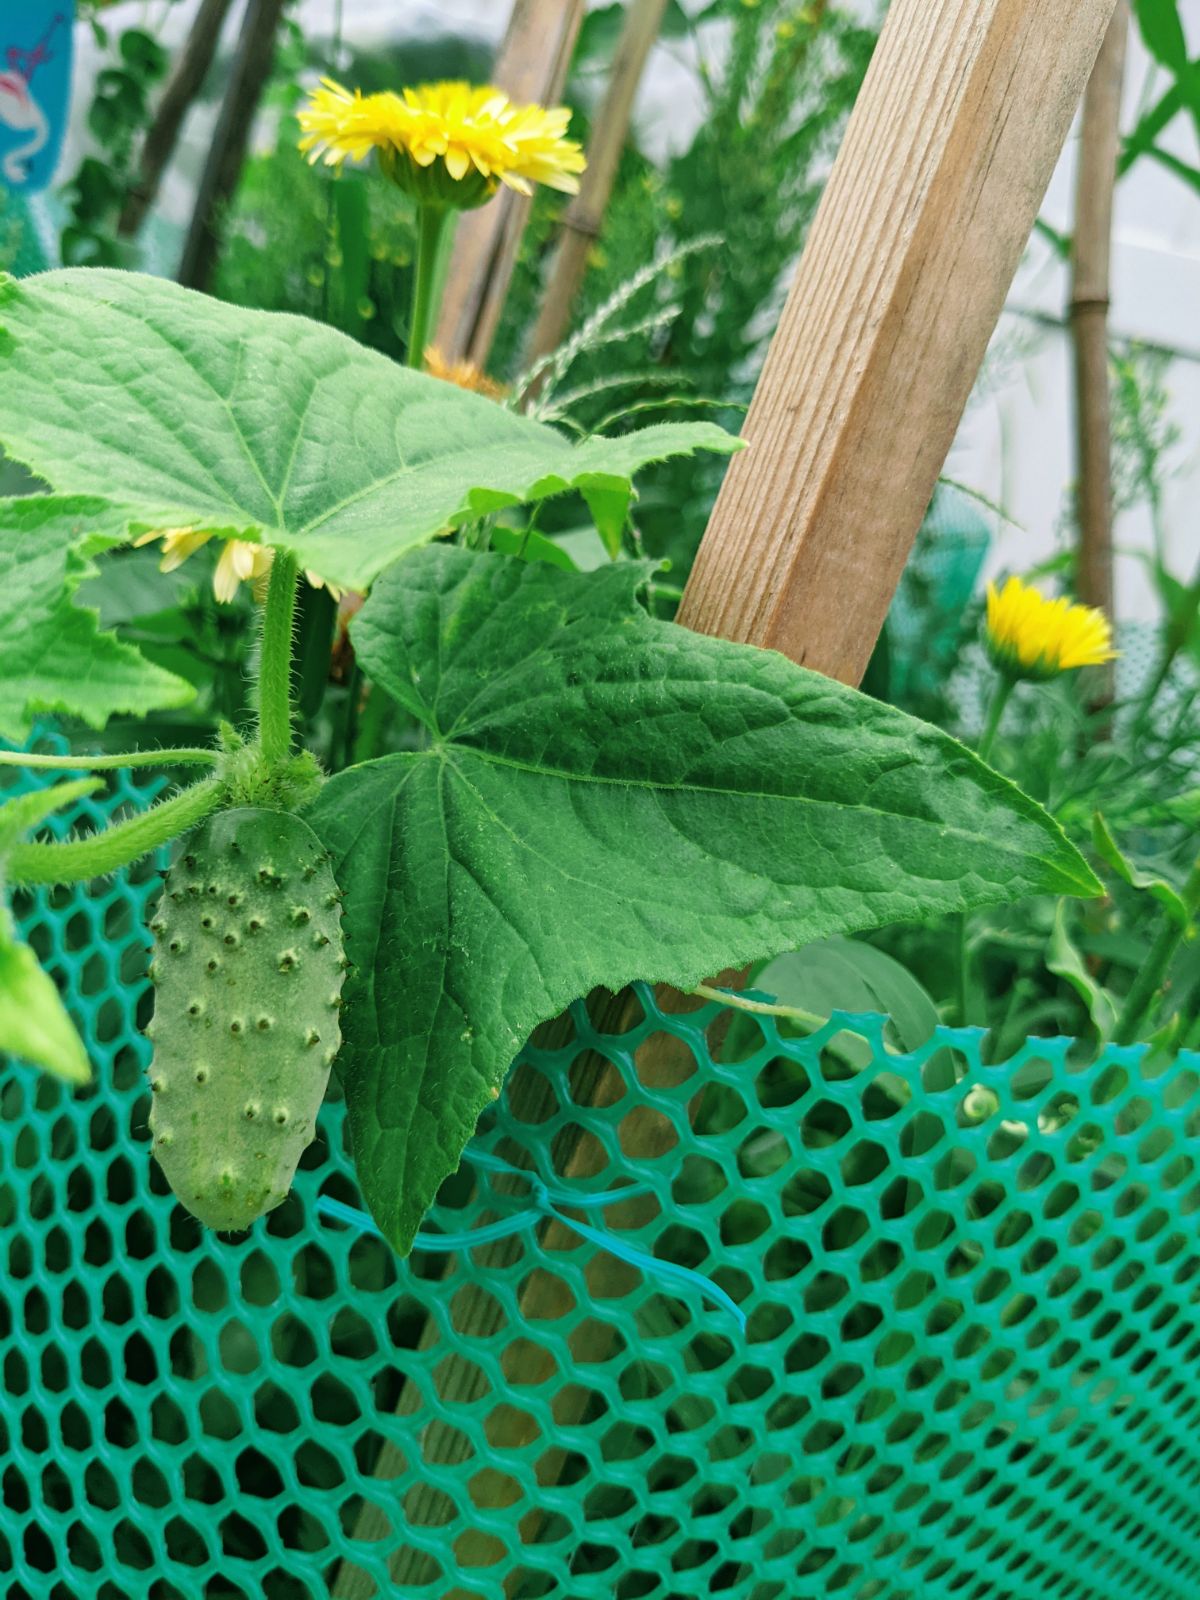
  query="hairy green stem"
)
[
  {"x": 431, "y": 223},
  {"x": 128, "y": 758},
  {"x": 275, "y": 663},
  {"x": 1147, "y": 986},
  {"x": 76, "y": 860}
]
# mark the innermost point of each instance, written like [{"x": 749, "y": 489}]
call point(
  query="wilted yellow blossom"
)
[
  {"x": 241, "y": 560},
  {"x": 463, "y": 374}
]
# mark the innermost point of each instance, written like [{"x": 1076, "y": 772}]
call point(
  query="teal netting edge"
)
[{"x": 969, "y": 1365}]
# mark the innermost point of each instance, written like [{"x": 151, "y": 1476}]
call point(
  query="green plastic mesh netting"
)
[{"x": 968, "y": 1367}]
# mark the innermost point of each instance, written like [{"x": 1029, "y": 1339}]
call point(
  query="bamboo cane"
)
[
  {"x": 960, "y": 121},
  {"x": 247, "y": 80},
  {"x": 192, "y": 66},
  {"x": 532, "y": 66},
  {"x": 1099, "y": 146},
  {"x": 585, "y": 214}
]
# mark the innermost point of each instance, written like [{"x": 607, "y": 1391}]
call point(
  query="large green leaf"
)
[
  {"x": 53, "y": 655},
  {"x": 605, "y": 797},
  {"x": 199, "y": 414}
]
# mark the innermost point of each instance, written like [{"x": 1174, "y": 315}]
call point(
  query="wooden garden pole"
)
[
  {"x": 247, "y": 80},
  {"x": 960, "y": 121},
  {"x": 532, "y": 66},
  {"x": 585, "y": 214},
  {"x": 1099, "y": 147},
  {"x": 192, "y": 66}
]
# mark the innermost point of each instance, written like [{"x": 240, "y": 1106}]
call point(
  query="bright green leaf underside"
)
[
  {"x": 53, "y": 655},
  {"x": 34, "y": 1024},
  {"x": 33, "y": 1020},
  {"x": 193, "y": 413},
  {"x": 605, "y": 797}
]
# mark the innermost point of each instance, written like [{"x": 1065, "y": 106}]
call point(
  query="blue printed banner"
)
[{"x": 35, "y": 89}]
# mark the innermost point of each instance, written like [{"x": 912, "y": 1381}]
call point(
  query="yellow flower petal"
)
[
  {"x": 177, "y": 544},
  {"x": 472, "y": 129},
  {"x": 335, "y": 590},
  {"x": 1031, "y": 637},
  {"x": 240, "y": 562}
]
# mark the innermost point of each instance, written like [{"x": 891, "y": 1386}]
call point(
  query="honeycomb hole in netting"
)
[{"x": 969, "y": 1366}]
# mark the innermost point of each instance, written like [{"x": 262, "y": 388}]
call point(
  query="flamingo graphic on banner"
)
[{"x": 35, "y": 82}]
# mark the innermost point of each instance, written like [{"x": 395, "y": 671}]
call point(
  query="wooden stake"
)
[
  {"x": 192, "y": 66},
  {"x": 959, "y": 124},
  {"x": 585, "y": 214},
  {"x": 532, "y": 66},
  {"x": 251, "y": 70},
  {"x": 961, "y": 119},
  {"x": 1099, "y": 147}
]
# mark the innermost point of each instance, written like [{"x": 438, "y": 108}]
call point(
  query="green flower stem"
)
[
  {"x": 129, "y": 758},
  {"x": 275, "y": 663},
  {"x": 1147, "y": 986},
  {"x": 76, "y": 860},
  {"x": 431, "y": 223},
  {"x": 810, "y": 1021},
  {"x": 1177, "y": 634},
  {"x": 1001, "y": 695}
]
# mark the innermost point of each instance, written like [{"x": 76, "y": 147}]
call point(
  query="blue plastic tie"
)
[
  {"x": 549, "y": 1194},
  {"x": 652, "y": 1267},
  {"x": 548, "y": 1200},
  {"x": 444, "y": 1242}
]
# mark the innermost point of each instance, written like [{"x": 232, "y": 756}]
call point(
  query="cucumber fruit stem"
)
[{"x": 76, "y": 860}]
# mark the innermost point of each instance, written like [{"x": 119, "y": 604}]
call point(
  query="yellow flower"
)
[
  {"x": 449, "y": 144},
  {"x": 1031, "y": 637},
  {"x": 463, "y": 374},
  {"x": 241, "y": 561}
]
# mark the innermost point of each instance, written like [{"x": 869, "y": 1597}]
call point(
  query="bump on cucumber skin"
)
[{"x": 248, "y": 968}]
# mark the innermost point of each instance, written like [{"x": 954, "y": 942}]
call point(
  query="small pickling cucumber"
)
[{"x": 248, "y": 968}]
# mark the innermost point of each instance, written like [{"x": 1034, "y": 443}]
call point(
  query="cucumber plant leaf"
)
[
  {"x": 209, "y": 416},
  {"x": 53, "y": 654},
  {"x": 605, "y": 797}
]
